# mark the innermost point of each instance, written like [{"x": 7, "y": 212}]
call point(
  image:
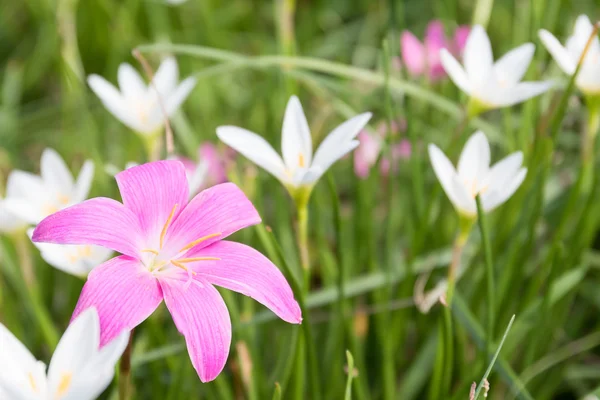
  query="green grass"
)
[{"x": 369, "y": 239}]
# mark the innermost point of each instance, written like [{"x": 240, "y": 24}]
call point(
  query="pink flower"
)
[
  {"x": 209, "y": 153},
  {"x": 424, "y": 58},
  {"x": 174, "y": 251},
  {"x": 371, "y": 145}
]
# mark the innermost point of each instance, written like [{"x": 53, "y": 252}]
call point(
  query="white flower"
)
[
  {"x": 79, "y": 369},
  {"x": 298, "y": 167},
  {"x": 138, "y": 106},
  {"x": 9, "y": 222},
  {"x": 588, "y": 78},
  {"x": 474, "y": 175},
  {"x": 32, "y": 197},
  {"x": 72, "y": 259},
  {"x": 492, "y": 84}
]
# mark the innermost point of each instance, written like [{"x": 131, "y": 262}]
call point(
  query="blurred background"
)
[{"x": 49, "y": 47}]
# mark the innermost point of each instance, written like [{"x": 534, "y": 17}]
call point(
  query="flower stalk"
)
[{"x": 125, "y": 371}]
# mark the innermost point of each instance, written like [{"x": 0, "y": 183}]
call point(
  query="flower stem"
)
[
  {"x": 301, "y": 197},
  {"x": 125, "y": 371},
  {"x": 489, "y": 270},
  {"x": 588, "y": 143}
]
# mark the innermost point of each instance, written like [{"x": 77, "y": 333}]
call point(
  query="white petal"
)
[
  {"x": 9, "y": 222},
  {"x": 474, "y": 162},
  {"x": 55, "y": 173},
  {"x": 337, "y": 141},
  {"x": 524, "y": 91},
  {"x": 455, "y": 71},
  {"x": 27, "y": 197},
  {"x": 179, "y": 95},
  {"x": 114, "y": 102},
  {"x": 492, "y": 200},
  {"x": 446, "y": 174},
  {"x": 478, "y": 58},
  {"x": 558, "y": 52},
  {"x": 131, "y": 83},
  {"x": 583, "y": 29},
  {"x": 84, "y": 182},
  {"x": 16, "y": 363},
  {"x": 511, "y": 67},
  {"x": 503, "y": 171},
  {"x": 296, "y": 142},
  {"x": 166, "y": 76},
  {"x": 326, "y": 160},
  {"x": 255, "y": 148}
]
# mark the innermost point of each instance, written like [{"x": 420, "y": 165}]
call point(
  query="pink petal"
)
[
  {"x": 245, "y": 270},
  {"x": 189, "y": 165},
  {"x": 124, "y": 293},
  {"x": 460, "y": 38},
  {"x": 216, "y": 168},
  {"x": 435, "y": 40},
  {"x": 100, "y": 221},
  {"x": 366, "y": 154},
  {"x": 201, "y": 315},
  {"x": 413, "y": 53},
  {"x": 151, "y": 191},
  {"x": 223, "y": 209}
]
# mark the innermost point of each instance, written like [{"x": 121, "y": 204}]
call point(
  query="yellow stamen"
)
[
  {"x": 180, "y": 265},
  {"x": 150, "y": 251},
  {"x": 63, "y": 199},
  {"x": 192, "y": 259},
  {"x": 32, "y": 382},
  {"x": 301, "y": 160},
  {"x": 202, "y": 239},
  {"x": 64, "y": 384},
  {"x": 164, "y": 229}
]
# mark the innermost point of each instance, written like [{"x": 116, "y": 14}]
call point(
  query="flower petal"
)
[
  {"x": 222, "y": 209},
  {"x": 166, "y": 77},
  {"x": 326, "y": 160},
  {"x": 55, "y": 172},
  {"x": 100, "y": 221},
  {"x": 478, "y": 58},
  {"x": 296, "y": 143},
  {"x": 114, "y": 102},
  {"x": 503, "y": 171},
  {"x": 558, "y": 52},
  {"x": 242, "y": 269},
  {"x": 123, "y": 292},
  {"x": 152, "y": 192},
  {"x": 446, "y": 174},
  {"x": 474, "y": 162},
  {"x": 255, "y": 148},
  {"x": 131, "y": 83},
  {"x": 341, "y": 136},
  {"x": 413, "y": 53},
  {"x": 27, "y": 196},
  {"x": 201, "y": 315},
  {"x": 455, "y": 71},
  {"x": 511, "y": 67},
  {"x": 523, "y": 91},
  {"x": 84, "y": 182},
  {"x": 492, "y": 200},
  {"x": 176, "y": 98}
]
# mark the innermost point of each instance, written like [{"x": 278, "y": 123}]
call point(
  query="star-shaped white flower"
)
[
  {"x": 137, "y": 105},
  {"x": 588, "y": 78},
  {"x": 475, "y": 176},
  {"x": 79, "y": 369},
  {"x": 490, "y": 84},
  {"x": 298, "y": 167}
]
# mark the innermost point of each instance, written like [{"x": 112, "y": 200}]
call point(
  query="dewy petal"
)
[
  {"x": 131, "y": 83},
  {"x": 55, "y": 172},
  {"x": 478, "y": 58},
  {"x": 511, "y": 67},
  {"x": 255, "y": 148},
  {"x": 296, "y": 143},
  {"x": 152, "y": 192},
  {"x": 455, "y": 71},
  {"x": 524, "y": 91},
  {"x": 84, "y": 182},
  {"x": 341, "y": 136},
  {"x": 100, "y": 221},
  {"x": 201, "y": 315},
  {"x": 123, "y": 292},
  {"x": 166, "y": 77},
  {"x": 75, "y": 349},
  {"x": 177, "y": 97},
  {"x": 413, "y": 53},
  {"x": 242, "y": 269},
  {"x": 558, "y": 52},
  {"x": 114, "y": 102},
  {"x": 220, "y": 210},
  {"x": 492, "y": 200},
  {"x": 446, "y": 174},
  {"x": 474, "y": 162}
]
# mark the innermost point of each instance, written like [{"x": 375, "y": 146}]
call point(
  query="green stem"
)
[
  {"x": 489, "y": 270},
  {"x": 125, "y": 371}
]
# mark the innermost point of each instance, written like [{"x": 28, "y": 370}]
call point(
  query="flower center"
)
[
  {"x": 301, "y": 162},
  {"x": 32, "y": 383},
  {"x": 475, "y": 188},
  {"x": 82, "y": 252},
  {"x": 63, "y": 385}
]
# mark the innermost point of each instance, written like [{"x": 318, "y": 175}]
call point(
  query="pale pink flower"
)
[
  {"x": 424, "y": 58},
  {"x": 172, "y": 250},
  {"x": 217, "y": 172},
  {"x": 371, "y": 145}
]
